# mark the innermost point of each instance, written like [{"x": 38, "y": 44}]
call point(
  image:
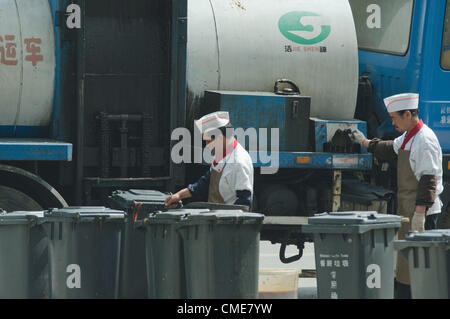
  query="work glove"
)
[
  {"x": 418, "y": 222},
  {"x": 357, "y": 136}
]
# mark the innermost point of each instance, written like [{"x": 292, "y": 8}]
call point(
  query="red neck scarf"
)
[
  {"x": 229, "y": 149},
  {"x": 411, "y": 134}
]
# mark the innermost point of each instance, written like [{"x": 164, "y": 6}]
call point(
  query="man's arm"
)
[
  {"x": 198, "y": 191},
  {"x": 383, "y": 150},
  {"x": 244, "y": 197},
  {"x": 427, "y": 166},
  {"x": 172, "y": 201},
  {"x": 242, "y": 184}
]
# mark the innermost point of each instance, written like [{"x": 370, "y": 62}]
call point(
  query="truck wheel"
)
[
  {"x": 22, "y": 190},
  {"x": 13, "y": 200}
]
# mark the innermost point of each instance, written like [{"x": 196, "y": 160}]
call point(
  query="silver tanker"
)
[{"x": 248, "y": 44}]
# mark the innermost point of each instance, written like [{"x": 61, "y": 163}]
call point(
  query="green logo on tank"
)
[{"x": 290, "y": 25}]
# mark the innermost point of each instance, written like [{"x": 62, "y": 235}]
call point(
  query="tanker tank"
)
[
  {"x": 27, "y": 67},
  {"x": 246, "y": 45}
]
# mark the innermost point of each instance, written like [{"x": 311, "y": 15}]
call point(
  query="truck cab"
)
[{"x": 404, "y": 46}]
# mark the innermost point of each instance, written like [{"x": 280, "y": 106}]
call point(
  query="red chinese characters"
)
[
  {"x": 33, "y": 48},
  {"x": 8, "y": 50}
]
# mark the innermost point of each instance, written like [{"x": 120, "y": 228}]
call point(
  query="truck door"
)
[{"x": 435, "y": 73}]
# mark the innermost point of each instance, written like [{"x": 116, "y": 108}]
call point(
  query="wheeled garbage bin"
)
[
  {"x": 84, "y": 249},
  {"x": 38, "y": 268},
  {"x": 197, "y": 233},
  {"x": 137, "y": 203},
  {"x": 15, "y": 255},
  {"x": 428, "y": 255},
  {"x": 354, "y": 254},
  {"x": 231, "y": 263},
  {"x": 164, "y": 253}
]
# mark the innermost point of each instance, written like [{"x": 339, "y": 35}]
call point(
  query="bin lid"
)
[
  {"x": 234, "y": 217},
  {"x": 216, "y": 206},
  {"x": 153, "y": 199},
  {"x": 19, "y": 217},
  {"x": 353, "y": 218},
  {"x": 140, "y": 195},
  {"x": 84, "y": 212},
  {"x": 39, "y": 213},
  {"x": 174, "y": 215},
  {"x": 441, "y": 235}
]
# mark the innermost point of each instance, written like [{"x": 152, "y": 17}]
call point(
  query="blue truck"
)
[
  {"x": 90, "y": 110},
  {"x": 414, "y": 58},
  {"x": 403, "y": 46}
]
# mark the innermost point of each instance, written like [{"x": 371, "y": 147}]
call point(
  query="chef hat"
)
[
  {"x": 401, "y": 102},
  {"x": 212, "y": 121}
]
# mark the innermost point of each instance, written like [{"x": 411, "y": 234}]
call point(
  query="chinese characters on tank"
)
[{"x": 9, "y": 51}]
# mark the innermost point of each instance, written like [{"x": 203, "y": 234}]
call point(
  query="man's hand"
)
[
  {"x": 357, "y": 137},
  {"x": 171, "y": 202},
  {"x": 418, "y": 222}
]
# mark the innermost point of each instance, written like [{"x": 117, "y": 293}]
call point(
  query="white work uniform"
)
[
  {"x": 236, "y": 174},
  {"x": 425, "y": 159}
]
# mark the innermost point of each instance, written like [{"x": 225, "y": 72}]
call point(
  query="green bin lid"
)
[
  {"x": 216, "y": 206},
  {"x": 19, "y": 217},
  {"x": 440, "y": 235},
  {"x": 140, "y": 195},
  {"x": 152, "y": 199},
  {"x": 77, "y": 212},
  {"x": 173, "y": 215},
  {"x": 39, "y": 213},
  {"x": 353, "y": 218},
  {"x": 235, "y": 217}
]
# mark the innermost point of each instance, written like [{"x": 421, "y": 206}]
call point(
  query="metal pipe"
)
[
  {"x": 123, "y": 149},
  {"x": 105, "y": 145},
  {"x": 81, "y": 61},
  {"x": 146, "y": 141}
]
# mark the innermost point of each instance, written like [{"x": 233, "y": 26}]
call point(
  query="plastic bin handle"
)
[{"x": 288, "y": 260}]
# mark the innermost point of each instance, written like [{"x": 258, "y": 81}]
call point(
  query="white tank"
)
[
  {"x": 27, "y": 63},
  {"x": 247, "y": 45}
]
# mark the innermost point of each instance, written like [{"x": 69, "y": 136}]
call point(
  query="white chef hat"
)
[
  {"x": 212, "y": 121},
  {"x": 401, "y": 102}
]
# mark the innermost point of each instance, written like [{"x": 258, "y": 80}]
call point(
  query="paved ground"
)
[{"x": 268, "y": 258}]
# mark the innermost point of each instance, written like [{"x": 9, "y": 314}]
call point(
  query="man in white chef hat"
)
[
  {"x": 230, "y": 177},
  {"x": 419, "y": 172}
]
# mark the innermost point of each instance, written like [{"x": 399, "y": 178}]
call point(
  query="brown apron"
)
[
  {"x": 406, "y": 198},
  {"x": 213, "y": 192}
]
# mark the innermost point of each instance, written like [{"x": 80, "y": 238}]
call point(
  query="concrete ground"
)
[{"x": 269, "y": 258}]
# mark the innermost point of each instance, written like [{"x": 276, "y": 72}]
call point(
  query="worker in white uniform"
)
[
  {"x": 419, "y": 173},
  {"x": 230, "y": 177}
]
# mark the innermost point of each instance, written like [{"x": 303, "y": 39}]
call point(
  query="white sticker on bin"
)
[{"x": 74, "y": 279}]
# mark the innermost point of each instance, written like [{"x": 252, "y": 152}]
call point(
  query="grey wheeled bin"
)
[
  {"x": 236, "y": 254},
  {"x": 354, "y": 254},
  {"x": 84, "y": 249},
  {"x": 428, "y": 256},
  {"x": 197, "y": 233},
  {"x": 137, "y": 203},
  {"x": 15, "y": 255},
  {"x": 164, "y": 253},
  {"x": 38, "y": 274}
]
